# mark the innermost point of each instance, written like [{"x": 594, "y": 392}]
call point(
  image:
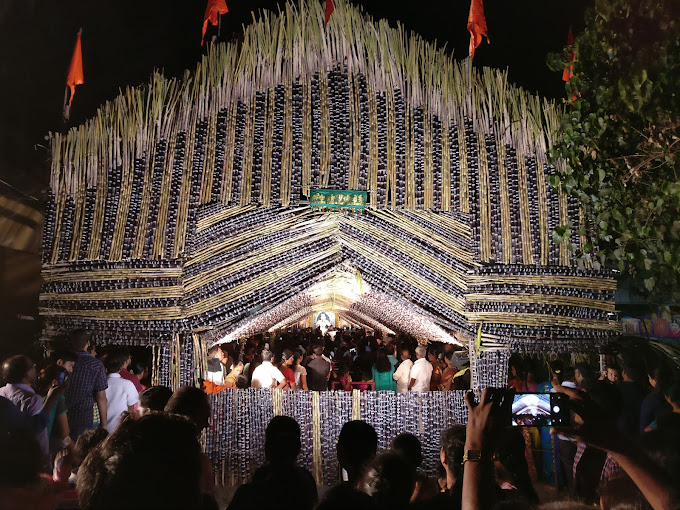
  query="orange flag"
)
[
  {"x": 477, "y": 25},
  {"x": 569, "y": 68},
  {"x": 215, "y": 7},
  {"x": 75, "y": 70},
  {"x": 330, "y": 7}
]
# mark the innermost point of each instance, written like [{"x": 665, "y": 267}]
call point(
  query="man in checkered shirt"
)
[{"x": 85, "y": 386}]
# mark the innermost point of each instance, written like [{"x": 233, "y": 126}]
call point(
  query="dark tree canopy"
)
[{"x": 621, "y": 141}]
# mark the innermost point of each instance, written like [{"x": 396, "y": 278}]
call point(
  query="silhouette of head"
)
[
  {"x": 389, "y": 480},
  {"x": 357, "y": 446},
  {"x": 409, "y": 447},
  {"x": 192, "y": 403},
  {"x": 156, "y": 458},
  {"x": 282, "y": 440}
]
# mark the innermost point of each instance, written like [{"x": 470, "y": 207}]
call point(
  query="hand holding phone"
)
[{"x": 540, "y": 410}]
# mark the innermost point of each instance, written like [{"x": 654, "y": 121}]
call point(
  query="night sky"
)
[{"x": 124, "y": 40}]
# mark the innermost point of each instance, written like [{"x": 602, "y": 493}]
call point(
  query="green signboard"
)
[{"x": 337, "y": 199}]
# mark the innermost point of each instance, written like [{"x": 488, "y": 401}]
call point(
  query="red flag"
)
[
  {"x": 330, "y": 7},
  {"x": 75, "y": 70},
  {"x": 568, "y": 69},
  {"x": 215, "y": 7},
  {"x": 477, "y": 25}
]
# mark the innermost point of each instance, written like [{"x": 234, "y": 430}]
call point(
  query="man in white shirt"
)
[
  {"x": 121, "y": 395},
  {"x": 266, "y": 375},
  {"x": 421, "y": 373},
  {"x": 403, "y": 373}
]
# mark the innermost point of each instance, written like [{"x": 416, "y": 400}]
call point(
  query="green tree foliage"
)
[{"x": 621, "y": 140}]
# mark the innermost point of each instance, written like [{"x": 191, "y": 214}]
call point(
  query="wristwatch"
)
[{"x": 472, "y": 455}]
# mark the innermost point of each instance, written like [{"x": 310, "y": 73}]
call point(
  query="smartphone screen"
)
[
  {"x": 540, "y": 410},
  {"x": 61, "y": 378}
]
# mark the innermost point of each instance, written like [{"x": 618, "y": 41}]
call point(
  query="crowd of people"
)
[
  {"x": 83, "y": 435},
  {"x": 346, "y": 359}
]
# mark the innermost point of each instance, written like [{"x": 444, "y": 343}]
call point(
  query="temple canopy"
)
[{"x": 182, "y": 208}]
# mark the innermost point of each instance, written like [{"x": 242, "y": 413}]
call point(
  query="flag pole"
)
[{"x": 66, "y": 111}]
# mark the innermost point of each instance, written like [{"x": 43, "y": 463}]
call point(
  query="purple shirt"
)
[
  {"x": 29, "y": 403},
  {"x": 88, "y": 378}
]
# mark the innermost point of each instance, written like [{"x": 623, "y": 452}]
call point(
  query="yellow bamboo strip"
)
[
  {"x": 266, "y": 183},
  {"x": 576, "y": 282},
  {"x": 169, "y": 292},
  {"x": 222, "y": 215},
  {"x": 257, "y": 283},
  {"x": 140, "y": 314},
  {"x": 442, "y": 243},
  {"x": 239, "y": 239},
  {"x": 306, "y": 136},
  {"x": 391, "y": 147},
  {"x": 123, "y": 201},
  {"x": 159, "y": 234},
  {"x": 58, "y": 220},
  {"x": 78, "y": 213},
  {"x": 524, "y": 212},
  {"x": 543, "y": 299},
  {"x": 504, "y": 191},
  {"x": 485, "y": 247},
  {"x": 410, "y": 153},
  {"x": 373, "y": 149},
  {"x": 405, "y": 274},
  {"x": 463, "y": 174},
  {"x": 412, "y": 252},
  {"x": 446, "y": 168},
  {"x": 277, "y": 402},
  {"x": 175, "y": 361},
  {"x": 255, "y": 257},
  {"x": 248, "y": 147},
  {"x": 287, "y": 147},
  {"x": 356, "y": 405},
  {"x": 228, "y": 168},
  {"x": 564, "y": 219},
  {"x": 209, "y": 159},
  {"x": 66, "y": 274},
  {"x": 452, "y": 224},
  {"x": 324, "y": 131},
  {"x": 143, "y": 219},
  {"x": 541, "y": 320},
  {"x": 428, "y": 164},
  {"x": 355, "y": 131},
  {"x": 544, "y": 234},
  {"x": 185, "y": 189},
  {"x": 105, "y": 162}
]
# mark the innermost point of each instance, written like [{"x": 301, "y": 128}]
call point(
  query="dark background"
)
[{"x": 125, "y": 40}]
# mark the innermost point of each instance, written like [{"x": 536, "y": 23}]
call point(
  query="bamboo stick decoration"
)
[
  {"x": 181, "y": 203},
  {"x": 287, "y": 149},
  {"x": 391, "y": 146},
  {"x": 524, "y": 212},
  {"x": 225, "y": 192},
  {"x": 464, "y": 185},
  {"x": 324, "y": 133},
  {"x": 446, "y": 168},
  {"x": 543, "y": 214},
  {"x": 306, "y": 136}
]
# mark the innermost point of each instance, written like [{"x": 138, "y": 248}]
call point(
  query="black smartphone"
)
[
  {"x": 61, "y": 378},
  {"x": 540, "y": 410}
]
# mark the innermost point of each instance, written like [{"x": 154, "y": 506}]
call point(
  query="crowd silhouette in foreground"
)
[{"x": 142, "y": 450}]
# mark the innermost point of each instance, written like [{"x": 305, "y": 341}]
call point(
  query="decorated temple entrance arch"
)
[{"x": 183, "y": 213}]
